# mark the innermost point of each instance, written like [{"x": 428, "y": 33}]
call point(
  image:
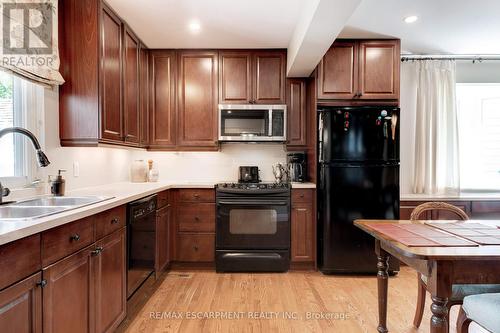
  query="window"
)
[
  {"x": 478, "y": 108},
  {"x": 21, "y": 104}
]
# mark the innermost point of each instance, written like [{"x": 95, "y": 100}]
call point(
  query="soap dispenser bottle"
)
[{"x": 58, "y": 184}]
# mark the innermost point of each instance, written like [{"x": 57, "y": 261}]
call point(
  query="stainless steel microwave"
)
[{"x": 252, "y": 123}]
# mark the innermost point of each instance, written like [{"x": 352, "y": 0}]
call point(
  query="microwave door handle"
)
[{"x": 270, "y": 127}]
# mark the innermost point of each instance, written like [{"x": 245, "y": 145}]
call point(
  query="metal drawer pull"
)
[
  {"x": 115, "y": 221},
  {"x": 42, "y": 283},
  {"x": 196, "y": 196},
  {"x": 97, "y": 251},
  {"x": 195, "y": 248},
  {"x": 75, "y": 237}
]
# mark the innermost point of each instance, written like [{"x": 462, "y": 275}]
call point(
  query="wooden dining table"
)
[{"x": 444, "y": 266}]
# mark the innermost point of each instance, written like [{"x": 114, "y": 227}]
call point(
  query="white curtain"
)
[{"x": 436, "y": 162}]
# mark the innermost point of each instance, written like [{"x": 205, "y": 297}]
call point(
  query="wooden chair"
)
[{"x": 422, "y": 280}]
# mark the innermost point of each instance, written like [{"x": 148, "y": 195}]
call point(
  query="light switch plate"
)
[{"x": 76, "y": 169}]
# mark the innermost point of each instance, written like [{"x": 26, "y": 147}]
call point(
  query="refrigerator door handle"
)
[{"x": 320, "y": 138}]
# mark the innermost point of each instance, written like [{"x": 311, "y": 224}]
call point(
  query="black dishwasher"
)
[{"x": 141, "y": 241}]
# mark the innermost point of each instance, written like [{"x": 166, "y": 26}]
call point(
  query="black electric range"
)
[{"x": 252, "y": 227}]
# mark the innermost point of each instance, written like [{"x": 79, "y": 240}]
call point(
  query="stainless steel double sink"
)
[{"x": 45, "y": 206}]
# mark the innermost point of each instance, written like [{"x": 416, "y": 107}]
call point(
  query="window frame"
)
[{"x": 28, "y": 107}]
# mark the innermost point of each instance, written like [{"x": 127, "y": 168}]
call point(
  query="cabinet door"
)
[
  {"x": 235, "y": 78},
  {"x": 68, "y": 295},
  {"x": 338, "y": 72},
  {"x": 269, "y": 77},
  {"x": 302, "y": 232},
  {"x": 110, "y": 283},
  {"x": 197, "y": 114},
  {"x": 162, "y": 259},
  {"x": 162, "y": 117},
  {"x": 111, "y": 78},
  {"x": 21, "y": 306},
  {"x": 131, "y": 86},
  {"x": 379, "y": 69},
  {"x": 144, "y": 95},
  {"x": 296, "y": 113}
]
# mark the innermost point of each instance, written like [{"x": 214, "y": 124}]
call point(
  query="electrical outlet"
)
[{"x": 76, "y": 169}]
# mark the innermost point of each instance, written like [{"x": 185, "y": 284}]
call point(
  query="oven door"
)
[{"x": 253, "y": 224}]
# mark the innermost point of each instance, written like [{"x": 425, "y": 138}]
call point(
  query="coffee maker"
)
[{"x": 297, "y": 167}]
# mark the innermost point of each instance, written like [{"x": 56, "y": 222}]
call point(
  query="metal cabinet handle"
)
[
  {"x": 97, "y": 251},
  {"x": 75, "y": 237},
  {"x": 115, "y": 221},
  {"x": 42, "y": 283},
  {"x": 302, "y": 195},
  {"x": 196, "y": 195},
  {"x": 195, "y": 248}
]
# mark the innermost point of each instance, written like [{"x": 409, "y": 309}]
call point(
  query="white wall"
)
[{"x": 105, "y": 165}]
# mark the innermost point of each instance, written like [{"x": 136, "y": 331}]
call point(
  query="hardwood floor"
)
[{"x": 348, "y": 304}]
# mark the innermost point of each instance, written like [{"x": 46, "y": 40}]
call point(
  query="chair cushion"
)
[
  {"x": 459, "y": 291},
  {"x": 484, "y": 309}
]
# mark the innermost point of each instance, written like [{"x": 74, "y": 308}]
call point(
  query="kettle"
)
[
  {"x": 297, "y": 166},
  {"x": 279, "y": 172}
]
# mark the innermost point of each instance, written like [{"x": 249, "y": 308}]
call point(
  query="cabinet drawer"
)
[
  {"x": 302, "y": 196},
  {"x": 109, "y": 221},
  {"x": 67, "y": 239},
  {"x": 199, "y": 217},
  {"x": 163, "y": 199},
  {"x": 196, "y": 195},
  {"x": 19, "y": 259},
  {"x": 195, "y": 247}
]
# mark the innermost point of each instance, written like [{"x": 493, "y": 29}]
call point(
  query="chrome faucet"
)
[{"x": 43, "y": 160}]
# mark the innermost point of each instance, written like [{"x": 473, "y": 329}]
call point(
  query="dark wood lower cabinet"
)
[
  {"x": 303, "y": 231},
  {"x": 163, "y": 228},
  {"x": 407, "y": 207},
  {"x": 68, "y": 295},
  {"x": 110, "y": 264},
  {"x": 21, "y": 306}
]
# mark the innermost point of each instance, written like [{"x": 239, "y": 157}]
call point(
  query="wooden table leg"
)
[
  {"x": 439, "y": 319},
  {"x": 382, "y": 284}
]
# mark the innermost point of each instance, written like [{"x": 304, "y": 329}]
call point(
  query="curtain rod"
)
[{"x": 470, "y": 57}]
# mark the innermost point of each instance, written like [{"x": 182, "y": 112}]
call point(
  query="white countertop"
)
[
  {"x": 120, "y": 193},
  {"x": 465, "y": 196},
  {"x": 303, "y": 185}
]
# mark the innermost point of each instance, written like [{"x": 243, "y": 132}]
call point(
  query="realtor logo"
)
[{"x": 27, "y": 27}]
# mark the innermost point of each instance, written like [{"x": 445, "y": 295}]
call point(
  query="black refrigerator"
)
[{"x": 358, "y": 151}]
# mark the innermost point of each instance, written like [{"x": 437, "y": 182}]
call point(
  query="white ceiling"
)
[
  {"x": 444, "y": 26},
  {"x": 224, "y": 23}
]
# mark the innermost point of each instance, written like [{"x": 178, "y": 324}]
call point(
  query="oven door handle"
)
[{"x": 253, "y": 203}]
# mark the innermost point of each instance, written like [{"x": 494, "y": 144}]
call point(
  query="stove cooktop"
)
[{"x": 254, "y": 186}]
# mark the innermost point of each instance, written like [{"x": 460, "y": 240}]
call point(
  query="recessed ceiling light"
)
[
  {"x": 194, "y": 26},
  {"x": 411, "y": 19}
]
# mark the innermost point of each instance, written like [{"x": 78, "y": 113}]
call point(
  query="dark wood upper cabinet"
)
[
  {"x": 360, "y": 70},
  {"x": 252, "y": 77},
  {"x": 162, "y": 110},
  {"x": 379, "y": 66},
  {"x": 21, "y": 306},
  {"x": 109, "y": 268},
  {"x": 144, "y": 95},
  {"x": 338, "y": 72},
  {"x": 235, "y": 77},
  {"x": 269, "y": 79},
  {"x": 296, "y": 114},
  {"x": 197, "y": 100},
  {"x": 100, "y": 100},
  {"x": 131, "y": 86},
  {"x": 111, "y": 79}
]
